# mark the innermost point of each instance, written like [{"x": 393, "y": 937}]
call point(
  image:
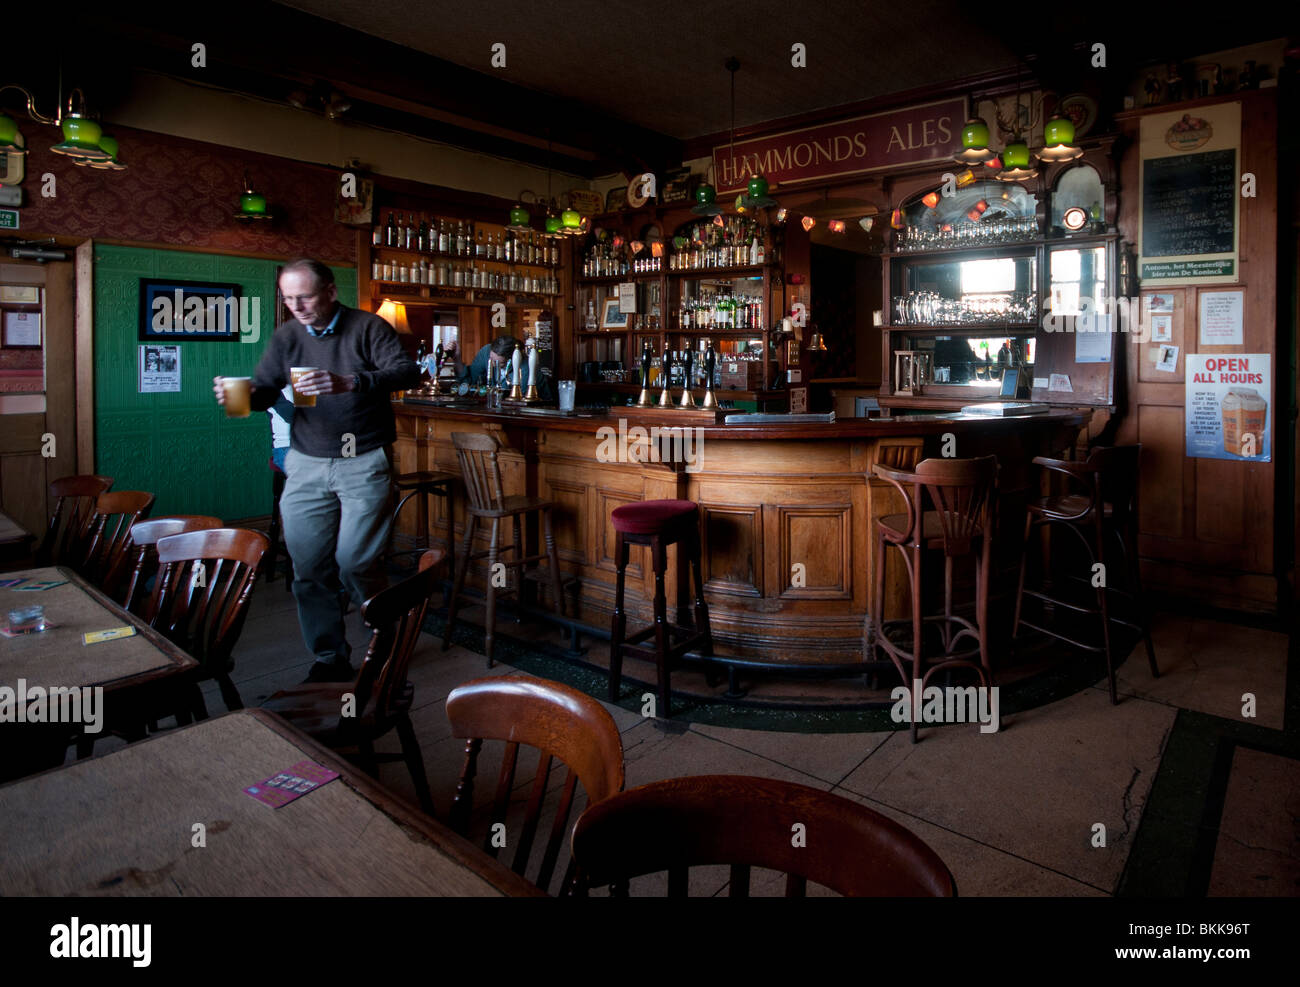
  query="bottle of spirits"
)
[
  {"x": 422, "y": 237},
  {"x": 390, "y": 231}
]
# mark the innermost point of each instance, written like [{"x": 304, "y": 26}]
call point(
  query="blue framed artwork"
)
[{"x": 180, "y": 311}]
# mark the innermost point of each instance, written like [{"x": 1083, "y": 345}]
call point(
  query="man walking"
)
[{"x": 336, "y": 505}]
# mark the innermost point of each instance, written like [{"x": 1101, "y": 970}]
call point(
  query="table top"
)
[
  {"x": 122, "y": 825},
  {"x": 11, "y": 532},
  {"x": 57, "y": 656}
]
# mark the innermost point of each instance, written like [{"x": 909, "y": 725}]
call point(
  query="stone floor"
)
[{"x": 1015, "y": 812}]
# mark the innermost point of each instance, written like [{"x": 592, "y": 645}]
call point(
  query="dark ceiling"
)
[{"x": 592, "y": 87}]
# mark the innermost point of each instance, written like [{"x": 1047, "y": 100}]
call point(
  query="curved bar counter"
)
[{"x": 787, "y": 510}]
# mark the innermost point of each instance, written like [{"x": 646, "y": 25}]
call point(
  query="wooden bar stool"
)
[
  {"x": 1102, "y": 504},
  {"x": 658, "y": 524},
  {"x": 423, "y": 484},
  {"x": 481, "y": 473},
  {"x": 964, "y": 494}
]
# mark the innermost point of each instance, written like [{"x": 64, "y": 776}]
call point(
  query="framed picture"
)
[
  {"x": 22, "y": 330},
  {"x": 616, "y": 199},
  {"x": 181, "y": 311},
  {"x": 676, "y": 187},
  {"x": 611, "y": 317},
  {"x": 358, "y": 210}
]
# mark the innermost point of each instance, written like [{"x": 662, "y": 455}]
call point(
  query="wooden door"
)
[
  {"x": 38, "y": 427},
  {"x": 1208, "y": 526}
]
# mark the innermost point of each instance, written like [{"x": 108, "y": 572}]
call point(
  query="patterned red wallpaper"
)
[{"x": 184, "y": 192}]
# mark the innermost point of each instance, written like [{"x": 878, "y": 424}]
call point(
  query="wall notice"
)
[
  {"x": 160, "y": 369},
  {"x": 1228, "y": 416},
  {"x": 1221, "y": 318}
]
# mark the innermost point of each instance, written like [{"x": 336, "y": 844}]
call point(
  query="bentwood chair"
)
[
  {"x": 746, "y": 822},
  {"x": 200, "y": 600},
  {"x": 481, "y": 472},
  {"x": 560, "y": 722},
  {"x": 1101, "y": 504},
  {"x": 74, "y": 497},
  {"x": 964, "y": 494},
  {"x": 382, "y": 695},
  {"x": 109, "y": 537},
  {"x": 140, "y": 561}
]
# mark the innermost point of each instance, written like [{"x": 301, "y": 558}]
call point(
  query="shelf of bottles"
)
[
  {"x": 736, "y": 242},
  {"x": 460, "y": 254}
]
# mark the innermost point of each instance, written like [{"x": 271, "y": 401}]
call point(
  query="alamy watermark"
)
[
  {"x": 181, "y": 314},
  {"x": 102, "y": 941},
  {"x": 1109, "y": 315},
  {"x": 972, "y": 704},
  {"x": 57, "y": 704},
  {"x": 656, "y": 444}
]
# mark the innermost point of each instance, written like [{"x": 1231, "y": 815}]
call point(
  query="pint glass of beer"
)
[
  {"x": 237, "y": 390},
  {"x": 301, "y": 400}
]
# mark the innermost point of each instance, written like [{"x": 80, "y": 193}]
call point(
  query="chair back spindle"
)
[
  {"x": 74, "y": 497},
  {"x": 109, "y": 537},
  {"x": 480, "y": 469}
]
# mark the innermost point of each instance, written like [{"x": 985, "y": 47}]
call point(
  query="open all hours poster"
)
[{"x": 1228, "y": 415}]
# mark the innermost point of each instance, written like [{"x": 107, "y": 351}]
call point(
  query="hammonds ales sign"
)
[{"x": 914, "y": 135}]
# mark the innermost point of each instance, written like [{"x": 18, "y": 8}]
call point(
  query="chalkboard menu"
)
[{"x": 1188, "y": 204}]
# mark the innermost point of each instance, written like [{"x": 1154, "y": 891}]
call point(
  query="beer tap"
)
[
  {"x": 531, "y": 396},
  {"x": 643, "y": 400},
  {"x": 438, "y": 356},
  {"x": 666, "y": 379},
  {"x": 710, "y": 361},
  {"x": 687, "y": 400},
  {"x": 516, "y": 364}
]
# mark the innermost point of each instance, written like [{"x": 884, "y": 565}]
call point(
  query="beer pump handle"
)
[{"x": 645, "y": 365}]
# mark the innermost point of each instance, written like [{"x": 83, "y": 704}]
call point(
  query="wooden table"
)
[
  {"x": 141, "y": 675},
  {"x": 15, "y": 540},
  {"x": 122, "y": 825}
]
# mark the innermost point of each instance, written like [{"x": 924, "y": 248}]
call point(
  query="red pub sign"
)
[{"x": 915, "y": 135}]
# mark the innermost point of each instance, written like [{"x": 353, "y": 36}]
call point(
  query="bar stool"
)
[
  {"x": 487, "y": 502},
  {"x": 423, "y": 484},
  {"x": 964, "y": 494},
  {"x": 658, "y": 524},
  {"x": 1107, "y": 506}
]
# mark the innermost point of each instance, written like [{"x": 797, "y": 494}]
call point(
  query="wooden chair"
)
[
  {"x": 744, "y": 822},
  {"x": 200, "y": 599},
  {"x": 964, "y": 494},
  {"x": 481, "y": 473},
  {"x": 383, "y": 696},
  {"x": 109, "y": 537},
  {"x": 74, "y": 497},
  {"x": 560, "y": 722},
  {"x": 141, "y": 558},
  {"x": 1102, "y": 503}
]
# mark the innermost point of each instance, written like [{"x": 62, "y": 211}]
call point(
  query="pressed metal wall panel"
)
[{"x": 180, "y": 446}]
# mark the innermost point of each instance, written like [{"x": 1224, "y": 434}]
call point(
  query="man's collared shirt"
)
[{"x": 329, "y": 329}]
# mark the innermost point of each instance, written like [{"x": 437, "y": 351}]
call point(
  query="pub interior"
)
[{"x": 668, "y": 452}]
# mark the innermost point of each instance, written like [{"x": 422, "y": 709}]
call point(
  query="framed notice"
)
[
  {"x": 160, "y": 369},
  {"x": 677, "y": 186},
  {"x": 181, "y": 311},
  {"x": 22, "y": 330},
  {"x": 1189, "y": 226},
  {"x": 1227, "y": 407}
]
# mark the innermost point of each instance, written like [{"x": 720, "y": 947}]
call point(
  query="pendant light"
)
[
  {"x": 1058, "y": 141},
  {"x": 252, "y": 205},
  {"x": 84, "y": 140},
  {"x": 975, "y": 143},
  {"x": 81, "y": 135},
  {"x": 1016, "y": 166}
]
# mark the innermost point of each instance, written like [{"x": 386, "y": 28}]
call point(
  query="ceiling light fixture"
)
[
  {"x": 83, "y": 141},
  {"x": 1058, "y": 141}
]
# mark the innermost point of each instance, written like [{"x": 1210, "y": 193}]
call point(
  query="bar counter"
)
[{"x": 787, "y": 510}]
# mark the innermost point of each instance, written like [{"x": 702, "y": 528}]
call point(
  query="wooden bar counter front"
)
[{"x": 787, "y": 510}]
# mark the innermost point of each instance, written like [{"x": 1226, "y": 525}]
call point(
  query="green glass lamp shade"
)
[
  {"x": 553, "y": 224},
  {"x": 108, "y": 145},
  {"x": 252, "y": 202},
  {"x": 1058, "y": 130},
  {"x": 758, "y": 187},
  {"x": 8, "y": 133},
  {"x": 571, "y": 219},
  {"x": 519, "y": 216},
  {"x": 706, "y": 195},
  {"x": 1016, "y": 155},
  {"x": 81, "y": 139},
  {"x": 975, "y": 134}
]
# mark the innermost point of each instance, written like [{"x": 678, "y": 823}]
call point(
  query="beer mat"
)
[
  {"x": 112, "y": 634},
  {"x": 7, "y": 631},
  {"x": 9, "y": 583},
  {"x": 281, "y": 789},
  {"x": 39, "y": 586}
]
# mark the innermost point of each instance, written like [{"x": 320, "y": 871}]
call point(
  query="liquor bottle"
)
[
  {"x": 390, "y": 231},
  {"x": 442, "y": 237},
  {"x": 407, "y": 236},
  {"x": 422, "y": 238}
]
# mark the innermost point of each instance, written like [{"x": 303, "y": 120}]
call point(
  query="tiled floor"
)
[{"x": 1048, "y": 806}]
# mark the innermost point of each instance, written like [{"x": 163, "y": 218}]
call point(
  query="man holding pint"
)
[{"x": 343, "y": 364}]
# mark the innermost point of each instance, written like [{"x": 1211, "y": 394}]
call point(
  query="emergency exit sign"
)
[{"x": 8, "y": 219}]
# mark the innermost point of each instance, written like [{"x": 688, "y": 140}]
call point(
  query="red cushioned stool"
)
[{"x": 658, "y": 524}]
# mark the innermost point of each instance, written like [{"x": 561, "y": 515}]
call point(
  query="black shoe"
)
[{"x": 334, "y": 671}]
